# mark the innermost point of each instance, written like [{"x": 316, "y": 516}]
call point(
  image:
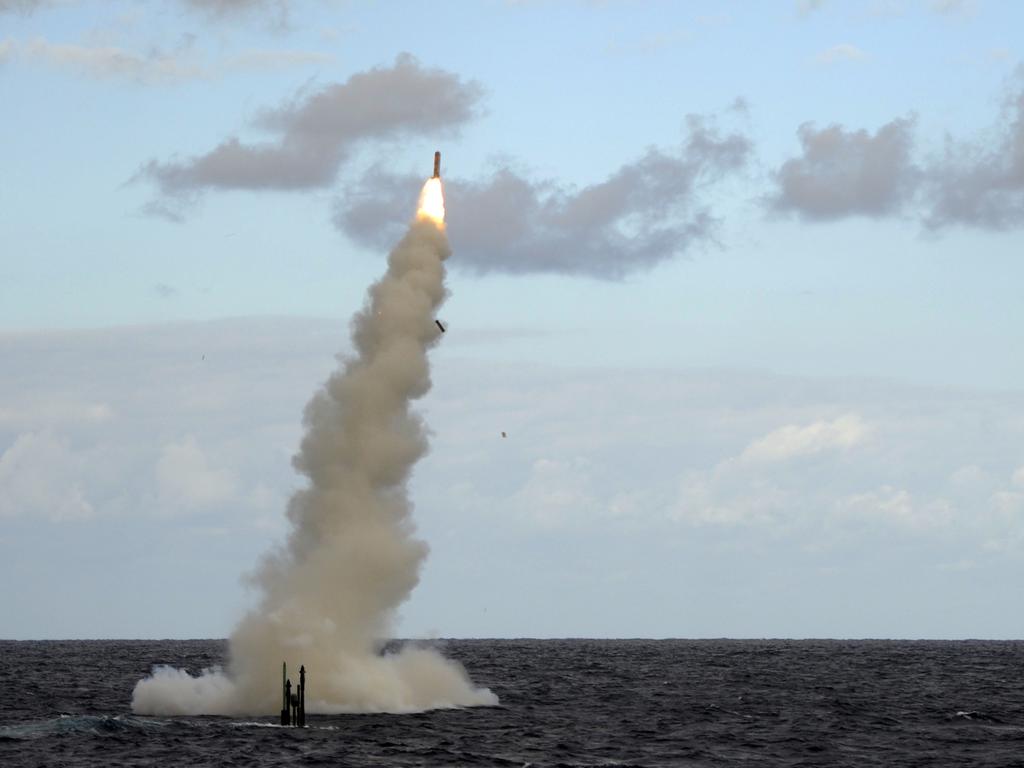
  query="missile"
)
[{"x": 437, "y": 166}]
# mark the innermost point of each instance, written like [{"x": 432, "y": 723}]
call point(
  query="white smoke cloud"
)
[{"x": 329, "y": 596}]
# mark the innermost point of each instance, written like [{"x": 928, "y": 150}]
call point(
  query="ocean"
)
[{"x": 563, "y": 703}]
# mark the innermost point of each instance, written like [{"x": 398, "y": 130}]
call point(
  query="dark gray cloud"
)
[
  {"x": 978, "y": 182},
  {"x": 645, "y": 212},
  {"x": 848, "y": 173},
  {"x": 981, "y": 183},
  {"x": 314, "y": 133}
]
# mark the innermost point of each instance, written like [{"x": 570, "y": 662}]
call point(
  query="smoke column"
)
[{"x": 329, "y": 595}]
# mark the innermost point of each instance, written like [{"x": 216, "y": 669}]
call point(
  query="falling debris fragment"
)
[
  {"x": 503, "y": 434},
  {"x": 443, "y": 329}
]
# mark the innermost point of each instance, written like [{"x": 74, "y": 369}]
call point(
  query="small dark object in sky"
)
[
  {"x": 503, "y": 434},
  {"x": 440, "y": 326}
]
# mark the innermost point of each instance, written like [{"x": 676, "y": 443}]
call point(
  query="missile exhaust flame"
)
[{"x": 431, "y": 207}]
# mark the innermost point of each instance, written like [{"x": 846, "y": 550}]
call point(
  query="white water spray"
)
[{"x": 329, "y": 596}]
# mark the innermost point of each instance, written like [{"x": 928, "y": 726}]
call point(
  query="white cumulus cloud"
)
[
  {"x": 41, "y": 476},
  {"x": 185, "y": 478},
  {"x": 792, "y": 441}
]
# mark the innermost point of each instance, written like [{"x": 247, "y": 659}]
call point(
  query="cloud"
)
[
  {"x": 277, "y": 11},
  {"x": 649, "y": 43},
  {"x": 807, "y": 7},
  {"x": 754, "y": 489},
  {"x": 792, "y": 441},
  {"x": 637, "y": 469},
  {"x": 846, "y": 173},
  {"x": 40, "y": 476},
  {"x": 839, "y": 53},
  {"x": 952, "y": 7},
  {"x": 269, "y": 59},
  {"x": 185, "y": 478},
  {"x": 23, "y": 6},
  {"x": 61, "y": 410},
  {"x": 7, "y": 48},
  {"x": 314, "y": 133},
  {"x": 557, "y": 493},
  {"x": 980, "y": 183},
  {"x": 843, "y": 172},
  {"x": 138, "y": 425},
  {"x": 898, "y": 506},
  {"x": 645, "y": 212},
  {"x": 157, "y": 66},
  {"x": 228, "y": 7},
  {"x": 102, "y": 62}
]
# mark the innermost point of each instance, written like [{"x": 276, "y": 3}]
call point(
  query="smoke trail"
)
[{"x": 351, "y": 559}]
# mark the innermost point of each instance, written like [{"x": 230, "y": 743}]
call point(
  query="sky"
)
[{"x": 740, "y": 283}]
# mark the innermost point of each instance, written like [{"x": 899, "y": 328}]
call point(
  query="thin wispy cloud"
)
[
  {"x": 840, "y": 53},
  {"x": 23, "y": 6},
  {"x": 649, "y": 44},
  {"x": 156, "y": 66},
  {"x": 807, "y": 7},
  {"x": 276, "y": 10}
]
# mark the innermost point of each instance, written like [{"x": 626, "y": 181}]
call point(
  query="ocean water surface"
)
[{"x": 563, "y": 703}]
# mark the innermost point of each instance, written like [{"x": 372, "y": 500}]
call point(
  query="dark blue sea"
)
[{"x": 563, "y": 703}]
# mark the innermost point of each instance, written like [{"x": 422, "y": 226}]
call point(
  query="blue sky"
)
[{"x": 756, "y": 343}]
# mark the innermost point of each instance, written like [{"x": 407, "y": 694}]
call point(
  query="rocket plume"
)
[{"x": 330, "y": 594}]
